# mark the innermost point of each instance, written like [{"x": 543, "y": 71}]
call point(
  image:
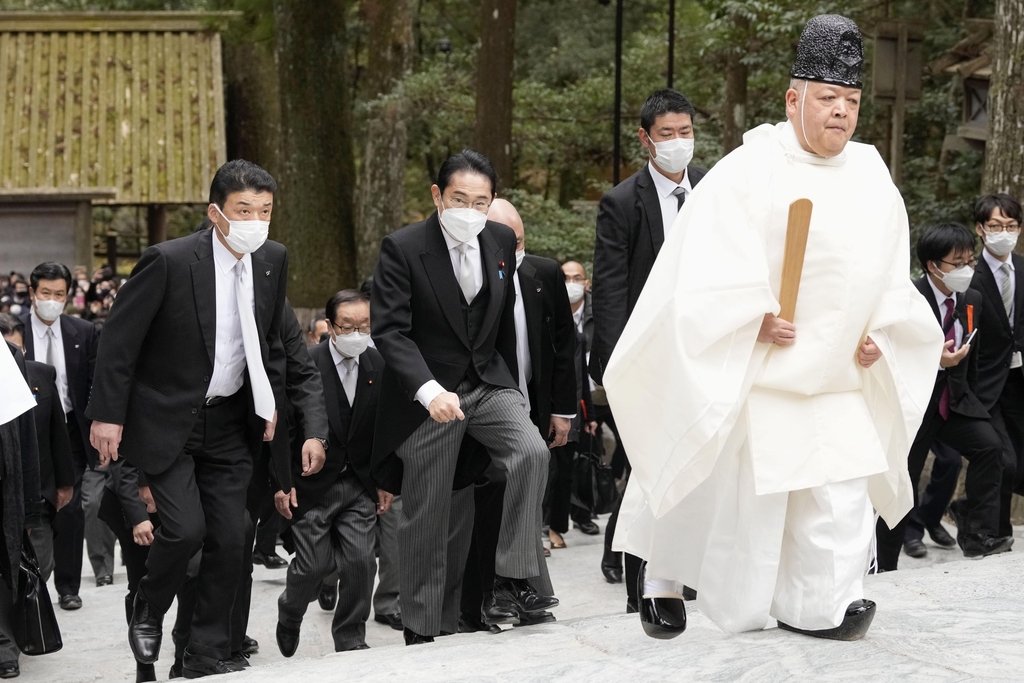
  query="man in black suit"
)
[
  {"x": 955, "y": 415},
  {"x": 187, "y": 383},
  {"x": 632, "y": 221},
  {"x": 443, "y": 319},
  {"x": 335, "y": 511},
  {"x": 70, "y": 348},
  {"x": 1000, "y": 281}
]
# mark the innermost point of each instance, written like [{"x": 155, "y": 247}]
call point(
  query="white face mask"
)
[
  {"x": 957, "y": 280},
  {"x": 462, "y": 224},
  {"x": 575, "y": 291},
  {"x": 673, "y": 155},
  {"x": 520, "y": 255},
  {"x": 1000, "y": 243},
  {"x": 351, "y": 345},
  {"x": 49, "y": 310},
  {"x": 245, "y": 236}
]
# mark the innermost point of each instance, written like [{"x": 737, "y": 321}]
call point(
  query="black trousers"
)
[
  {"x": 978, "y": 441},
  {"x": 558, "y": 507},
  {"x": 939, "y": 492},
  {"x": 489, "y": 497},
  {"x": 1008, "y": 419},
  {"x": 69, "y": 523},
  {"x": 201, "y": 499}
]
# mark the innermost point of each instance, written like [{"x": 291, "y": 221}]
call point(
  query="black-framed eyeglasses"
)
[
  {"x": 349, "y": 329},
  {"x": 998, "y": 227},
  {"x": 972, "y": 263}
]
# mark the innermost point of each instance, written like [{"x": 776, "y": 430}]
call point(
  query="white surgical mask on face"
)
[
  {"x": 462, "y": 224},
  {"x": 1000, "y": 243},
  {"x": 673, "y": 155},
  {"x": 245, "y": 236},
  {"x": 351, "y": 345},
  {"x": 520, "y": 255},
  {"x": 575, "y": 291},
  {"x": 958, "y": 280},
  {"x": 49, "y": 310}
]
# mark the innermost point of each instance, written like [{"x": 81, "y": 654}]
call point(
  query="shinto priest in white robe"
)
[{"x": 756, "y": 467}]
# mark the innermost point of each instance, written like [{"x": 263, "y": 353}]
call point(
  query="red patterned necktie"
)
[{"x": 947, "y": 324}]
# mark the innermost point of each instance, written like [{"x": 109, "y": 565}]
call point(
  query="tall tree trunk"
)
[
  {"x": 1004, "y": 150},
  {"x": 734, "y": 116},
  {"x": 494, "y": 85},
  {"x": 390, "y": 46},
  {"x": 313, "y": 210},
  {"x": 252, "y": 100}
]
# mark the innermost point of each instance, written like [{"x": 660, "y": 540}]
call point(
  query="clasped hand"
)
[{"x": 775, "y": 330}]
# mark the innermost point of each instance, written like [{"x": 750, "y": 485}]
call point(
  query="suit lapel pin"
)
[
  {"x": 538, "y": 290},
  {"x": 268, "y": 273},
  {"x": 501, "y": 270}
]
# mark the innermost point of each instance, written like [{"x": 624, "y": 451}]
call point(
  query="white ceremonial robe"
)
[{"x": 721, "y": 429}]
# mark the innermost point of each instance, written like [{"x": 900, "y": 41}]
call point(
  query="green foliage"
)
[{"x": 564, "y": 234}]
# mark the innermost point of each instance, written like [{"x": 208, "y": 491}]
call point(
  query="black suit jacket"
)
[
  {"x": 629, "y": 236},
  {"x": 420, "y": 329},
  {"x": 961, "y": 379},
  {"x": 81, "y": 343},
  {"x": 156, "y": 354},
  {"x": 1001, "y": 338},
  {"x": 55, "y": 467},
  {"x": 552, "y": 340},
  {"x": 351, "y": 427}
]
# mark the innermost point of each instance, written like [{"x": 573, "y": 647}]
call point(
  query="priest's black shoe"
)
[
  {"x": 250, "y": 646},
  {"x": 519, "y": 595},
  {"x": 587, "y": 527},
  {"x": 612, "y": 574},
  {"x": 941, "y": 537},
  {"x": 976, "y": 545},
  {"x": 392, "y": 620},
  {"x": 855, "y": 624},
  {"x": 144, "y": 673},
  {"x": 662, "y": 618},
  {"x": 328, "y": 597},
  {"x": 413, "y": 638},
  {"x": 9, "y": 670},
  {"x": 145, "y": 632},
  {"x": 199, "y": 666},
  {"x": 287, "y": 639},
  {"x": 272, "y": 561},
  {"x": 536, "y": 618},
  {"x": 914, "y": 548}
]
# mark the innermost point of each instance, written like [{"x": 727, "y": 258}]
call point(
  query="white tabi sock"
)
[{"x": 663, "y": 588}]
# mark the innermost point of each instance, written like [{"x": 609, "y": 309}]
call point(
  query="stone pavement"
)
[{"x": 942, "y": 618}]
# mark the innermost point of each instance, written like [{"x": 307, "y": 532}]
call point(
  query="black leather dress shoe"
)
[
  {"x": 914, "y": 548},
  {"x": 494, "y": 611},
  {"x": 104, "y": 580},
  {"x": 587, "y": 527},
  {"x": 70, "y": 602},
  {"x": 413, "y": 638},
  {"x": 241, "y": 659},
  {"x": 360, "y": 646},
  {"x": 198, "y": 666},
  {"x": 536, "y": 618},
  {"x": 976, "y": 545},
  {"x": 273, "y": 561},
  {"x": 392, "y": 620},
  {"x": 9, "y": 669},
  {"x": 145, "y": 632},
  {"x": 144, "y": 673},
  {"x": 631, "y": 607},
  {"x": 250, "y": 646},
  {"x": 328, "y": 597},
  {"x": 855, "y": 624},
  {"x": 689, "y": 593},
  {"x": 941, "y": 537},
  {"x": 662, "y": 618},
  {"x": 177, "y": 670},
  {"x": 519, "y": 595},
  {"x": 287, "y": 639},
  {"x": 612, "y": 574},
  {"x": 473, "y": 623}
]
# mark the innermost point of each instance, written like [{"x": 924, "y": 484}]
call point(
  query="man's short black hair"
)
[
  {"x": 986, "y": 205},
  {"x": 239, "y": 175},
  {"x": 664, "y": 101},
  {"x": 50, "y": 271},
  {"x": 939, "y": 240},
  {"x": 9, "y": 324},
  {"x": 468, "y": 160},
  {"x": 345, "y": 296}
]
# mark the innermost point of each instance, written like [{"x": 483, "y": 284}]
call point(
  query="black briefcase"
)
[
  {"x": 36, "y": 631},
  {"x": 593, "y": 483}
]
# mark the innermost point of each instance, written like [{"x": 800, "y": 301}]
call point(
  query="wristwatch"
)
[{"x": 323, "y": 442}]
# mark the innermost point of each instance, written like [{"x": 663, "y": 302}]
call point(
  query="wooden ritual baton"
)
[{"x": 793, "y": 262}]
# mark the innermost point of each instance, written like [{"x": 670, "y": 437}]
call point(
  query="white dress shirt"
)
[
  {"x": 669, "y": 201},
  {"x": 523, "y": 356},
  {"x": 229, "y": 354},
  {"x": 432, "y": 389},
  {"x": 42, "y": 344}
]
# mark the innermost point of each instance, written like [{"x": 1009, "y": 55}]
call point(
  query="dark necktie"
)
[
  {"x": 950, "y": 327},
  {"x": 680, "y": 194}
]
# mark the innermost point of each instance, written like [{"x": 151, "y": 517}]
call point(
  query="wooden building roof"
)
[{"x": 131, "y": 102}]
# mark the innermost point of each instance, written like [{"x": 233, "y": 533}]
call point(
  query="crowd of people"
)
[{"x": 422, "y": 430}]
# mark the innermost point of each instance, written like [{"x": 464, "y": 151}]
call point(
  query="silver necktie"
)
[
  {"x": 466, "y": 280},
  {"x": 1007, "y": 288},
  {"x": 262, "y": 394}
]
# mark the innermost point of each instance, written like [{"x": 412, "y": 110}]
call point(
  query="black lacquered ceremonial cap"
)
[{"x": 830, "y": 51}]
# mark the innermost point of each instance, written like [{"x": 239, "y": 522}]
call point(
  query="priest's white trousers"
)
[{"x": 797, "y": 556}]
